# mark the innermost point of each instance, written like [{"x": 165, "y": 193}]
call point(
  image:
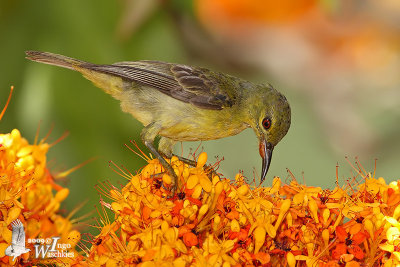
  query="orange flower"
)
[
  {"x": 339, "y": 250},
  {"x": 190, "y": 239},
  {"x": 341, "y": 233},
  {"x": 262, "y": 257},
  {"x": 348, "y": 244}
]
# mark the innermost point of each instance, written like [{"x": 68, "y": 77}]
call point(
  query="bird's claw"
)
[{"x": 207, "y": 168}]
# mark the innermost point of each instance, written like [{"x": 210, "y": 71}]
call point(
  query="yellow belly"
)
[{"x": 178, "y": 120}]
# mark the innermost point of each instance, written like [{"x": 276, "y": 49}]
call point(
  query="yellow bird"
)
[{"x": 183, "y": 103}]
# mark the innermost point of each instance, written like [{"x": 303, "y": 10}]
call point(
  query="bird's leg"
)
[
  {"x": 148, "y": 135},
  {"x": 165, "y": 146}
]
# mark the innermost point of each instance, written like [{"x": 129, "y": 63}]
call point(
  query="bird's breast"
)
[
  {"x": 179, "y": 120},
  {"x": 196, "y": 124}
]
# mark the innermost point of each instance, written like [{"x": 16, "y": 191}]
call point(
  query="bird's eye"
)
[{"x": 266, "y": 123}]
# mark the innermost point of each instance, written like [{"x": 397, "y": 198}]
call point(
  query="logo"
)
[
  {"x": 50, "y": 248},
  {"x": 17, "y": 240},
  {"x": 44, "y": 247}
]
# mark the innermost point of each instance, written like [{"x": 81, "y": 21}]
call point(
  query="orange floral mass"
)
[
  {"x": 211, "y": 221},
  {"x": 29, "y": 192},
  {"x": 220, "y": 222}
]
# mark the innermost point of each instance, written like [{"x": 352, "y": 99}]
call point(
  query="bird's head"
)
[
  {"x": 9, "y": 251},
  {"x": 270, "y": 119}
]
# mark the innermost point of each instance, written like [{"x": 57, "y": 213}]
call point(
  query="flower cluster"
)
[
  {"x": 219, "y": 222},
  {"x": 28, "y": 193}
]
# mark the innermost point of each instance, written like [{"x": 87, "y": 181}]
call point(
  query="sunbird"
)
[{"x": 182, "y": 103}]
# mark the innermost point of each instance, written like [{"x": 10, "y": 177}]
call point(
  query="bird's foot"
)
[
  {"x": 171, "y": 186},
  {"x": 174, "y": 184},
  {"x": 186, "y": 160},
  {"x": 208, "y": 168}
]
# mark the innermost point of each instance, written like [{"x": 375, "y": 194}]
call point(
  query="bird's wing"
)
[
  {"x": 18, "y": 234},
  {"x": 197, "y": 86}
]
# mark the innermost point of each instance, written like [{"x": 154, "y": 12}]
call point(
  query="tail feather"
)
[{"x": 54, "y": 59}]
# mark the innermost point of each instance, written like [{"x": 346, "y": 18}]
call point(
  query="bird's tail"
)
[
  {"x": 100, "y": 75},
  {"x": 54, "y": 59}
]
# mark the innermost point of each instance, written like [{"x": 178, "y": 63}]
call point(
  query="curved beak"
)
[{"x": 266, "y": 155}]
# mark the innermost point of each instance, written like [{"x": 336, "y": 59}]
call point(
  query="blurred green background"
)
[{"x": 337, "y": 64}]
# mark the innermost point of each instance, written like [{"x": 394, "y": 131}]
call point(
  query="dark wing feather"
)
[{"x": 197, "y": 86}]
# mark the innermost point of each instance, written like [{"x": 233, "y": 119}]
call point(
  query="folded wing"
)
[{"x": 197, "y": 86}]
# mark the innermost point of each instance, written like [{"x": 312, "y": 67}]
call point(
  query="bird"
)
[
  {"x": 179, "y": 102},
  {"x": 17, "y": 246}
]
